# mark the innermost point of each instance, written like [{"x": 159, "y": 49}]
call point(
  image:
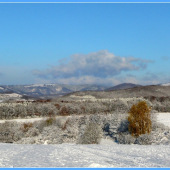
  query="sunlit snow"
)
[{"x": 107, "y": 154}]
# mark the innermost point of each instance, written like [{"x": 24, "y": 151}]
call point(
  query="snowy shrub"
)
[
  {"x": 60, "y": 121},
  {"x": 37, "y": 111},
  {"x": 5, "y": 132},
  {"x": 40, "y": 125},
  {"x": 6, "y": 112},
  {"x": 51, "y": 120},
  {"x": 57, "y": 106},
  {"x": 144, "y": 139},
  {"x": 119, "y": 106},
  {"x": 26, "y": 140},
  {"x": 65, "y": 125},
  {"x": 160, "y": 127},
  {"x": 26, "y": 126},
  {"x": 92, "y": 135},
  {"x": 32, "y": 132},
  {"x": 96, "y": 119},
  {"x": 53, "y": 134},
  {"x": 10, "y": 131},
  {"x": 64, "y": 111},
  {"x": 29, "y": 109},
  {"x": 70, "y": 129},
  {"x": 44, "y": 123},
  {"x": 44, "y": 110},
  {"x": 20, "y": 111},
  {"x": 125, "y": 138}
]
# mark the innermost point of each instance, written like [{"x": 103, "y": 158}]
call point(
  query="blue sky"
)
[{"x": 104, "y": 44}]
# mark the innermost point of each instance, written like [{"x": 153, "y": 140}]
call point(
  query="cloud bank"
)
[{"x": 99, "y": 67}]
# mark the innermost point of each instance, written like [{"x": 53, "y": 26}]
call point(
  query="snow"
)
[
  {"x": 40, "y": 85},
  {"x": 164, "y": 118},
  {"x": 59, "y": 89},
  {"x": 2, "y": 88},
  {"x": 107, "y": 154},
  {"x": 166, "y": 84},
  {"x": 23, "y": 120},
  {"x": 85, "y": 96},
  {"x": 35, "y": 85},
  {"x": 13, "y": 95},
  {"x": 50, "y": 84},
  {"x": 72, "y": 155},
  {"x": 10, "y": 95}
]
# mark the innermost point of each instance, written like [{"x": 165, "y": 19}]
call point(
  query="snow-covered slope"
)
[{"x": 166, "y": 84}]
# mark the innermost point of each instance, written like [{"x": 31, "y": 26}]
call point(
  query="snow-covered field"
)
[
  {"x": 164, "y": 118},
  {"x": 107, "y": 154},
  {"x": 71, "y": 155}
]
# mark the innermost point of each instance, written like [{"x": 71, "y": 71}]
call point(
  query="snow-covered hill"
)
[{"x": 166, "y": 84}]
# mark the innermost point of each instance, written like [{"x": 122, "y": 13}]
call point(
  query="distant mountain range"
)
[
  {"x": 37, "y": 90},
  {"x": 48, "y": 89},
  {"x": 122, "y": 86}
]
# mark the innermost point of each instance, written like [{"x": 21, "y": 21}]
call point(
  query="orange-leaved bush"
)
[{"x": 140, "y": 119}]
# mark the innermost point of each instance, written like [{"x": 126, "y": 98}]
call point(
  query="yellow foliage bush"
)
[{"x": 139, "y": 119}]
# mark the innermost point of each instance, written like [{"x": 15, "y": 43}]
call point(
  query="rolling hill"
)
[{"x": 123, "y": 86}]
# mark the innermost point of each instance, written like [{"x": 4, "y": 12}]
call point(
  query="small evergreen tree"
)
[{"x": 139, "y": 119}]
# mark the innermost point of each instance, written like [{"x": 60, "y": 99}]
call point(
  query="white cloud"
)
[{"x": 97, "y": 67}]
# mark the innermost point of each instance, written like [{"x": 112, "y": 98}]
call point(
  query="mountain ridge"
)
[
  {"x": 123, "y": 86},
  {"x": 37, "y": 90}
]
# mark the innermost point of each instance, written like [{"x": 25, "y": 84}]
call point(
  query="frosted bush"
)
[
  {"x": 17, "y": 135},
  {"x": 71, "y": 129},
  {"x": 145, "y": 139},
  {"x": 125, "y": 138},
  {"x": 26, "y": 126},
  {"x": 10, "y": 131},
  {"x": 119, "y": 106},
  {"x": 73, "y": 109},
  {"x": 53, "y": 134},
  {"x": 26, "y": 141},
  {"x": 96, "y": 119},
  {"x": 32, "y": 132},
  {"x": 20, "y": 111},
  {"x": 92, "y": 135},
  {"x": 50, "y": 121},
  {"x": 40, "y": 125},
  {"x": 44, "y": 110},
  {"x": 60, "y": 121},
  {"x": 29, "y": 109}
]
